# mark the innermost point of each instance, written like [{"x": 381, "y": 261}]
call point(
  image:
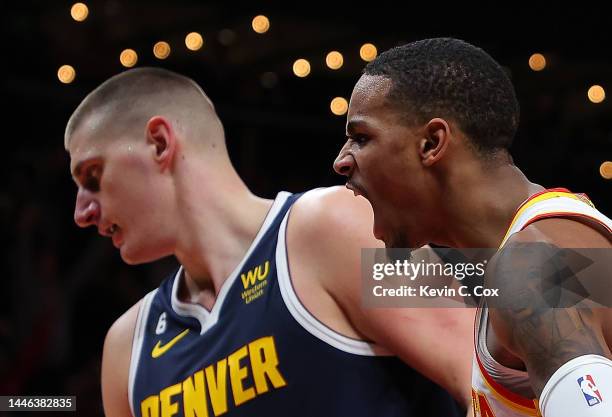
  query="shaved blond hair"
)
[{"x": 126, "y": 102}]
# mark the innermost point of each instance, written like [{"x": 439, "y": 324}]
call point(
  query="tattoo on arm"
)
[{"x": 535, "y": 309}]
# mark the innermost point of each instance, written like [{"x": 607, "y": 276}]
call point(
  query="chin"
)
[
  {"x": 129, "y": 258},
  {"x": 138, "y": 257}
]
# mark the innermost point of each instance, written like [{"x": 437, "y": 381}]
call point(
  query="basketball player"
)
[
  {"x": 264, "y": 315},
  {"x": 428, "y": 131}
]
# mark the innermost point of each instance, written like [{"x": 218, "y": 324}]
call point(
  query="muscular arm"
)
[
  {"x": 116, "y": 364},
  {"x": 529, "y": 274},
  {"x": 329, "y": 230}
]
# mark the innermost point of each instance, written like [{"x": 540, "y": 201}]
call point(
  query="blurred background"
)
[{"x": 280, "y": 77}]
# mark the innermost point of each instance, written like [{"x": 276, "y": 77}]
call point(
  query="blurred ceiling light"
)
[
  {"x": 66, "y": 74},
  {"x": 260, "y": 24},
  {"x": 301, "y": 68},
  {"x": 79, "y": 11},
  {"x": 194, "y": 41},
  {"x": 605, "y": 169},
  {"x": 161, "y": 50},
  {"x": 596, "y": 94},
  {"x": 537, "y": 62},
  {"x": 334, "y": 60},
  {"x": 368, "y": 52},
  {"x": 128, "y": 58},
  {"x": 339, "y": 106}
]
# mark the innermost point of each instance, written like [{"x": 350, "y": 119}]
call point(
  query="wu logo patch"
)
[
  {"x": 259, "y": 273},
  {"x": 589, "y": 390},
  {"x": 254, "y": 282}
]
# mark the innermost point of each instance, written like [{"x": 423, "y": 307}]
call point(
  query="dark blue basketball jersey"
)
[{"x": 259, "y": 352}]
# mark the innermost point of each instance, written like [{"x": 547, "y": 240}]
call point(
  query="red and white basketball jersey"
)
[{"x": 498, "y": 391}]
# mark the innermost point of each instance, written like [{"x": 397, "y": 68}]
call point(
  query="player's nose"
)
[
  {"x": 344, "y": 162},
  {"x": 87, "y": 209}
]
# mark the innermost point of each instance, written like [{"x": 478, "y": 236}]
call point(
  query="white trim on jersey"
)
[
  {"x": 310, "y": 323},
  {"x": 207, "y": 318},
  {"x": 570, "y": 207},
  {"x": 189, "y": 309},
  {"x": 508, "y": 377},
  {"x": 139, "y": 335}
]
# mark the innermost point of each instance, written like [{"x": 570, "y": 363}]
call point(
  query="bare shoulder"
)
[
  {"x": 123, "y": 327},
  {"x": 329, "y": 227},
  {"x": 334, "y": 207},
  {"x": 326, "y": 230},
  {"x": 327, "y": 220},
  {"x": 116, "y": 363}
]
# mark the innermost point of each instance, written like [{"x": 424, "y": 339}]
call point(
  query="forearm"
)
[{"x": 546, "y": 339}]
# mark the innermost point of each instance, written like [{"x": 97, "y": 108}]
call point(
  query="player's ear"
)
[
  {"x": 435, "y": 140},
  {"x": 161, "y": 137}
]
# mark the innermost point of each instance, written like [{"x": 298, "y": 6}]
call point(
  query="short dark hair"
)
[{"x": 446, "y": 77}]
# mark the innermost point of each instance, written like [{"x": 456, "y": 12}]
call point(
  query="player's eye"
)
[{"x": 358, "y": 139}]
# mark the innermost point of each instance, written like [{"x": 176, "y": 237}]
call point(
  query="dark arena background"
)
[{"x": 62, "y": 286}]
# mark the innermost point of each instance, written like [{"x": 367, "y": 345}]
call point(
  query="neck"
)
[
  {"x": 218, "y": 220},
  {"x": 481, "y": 203}
]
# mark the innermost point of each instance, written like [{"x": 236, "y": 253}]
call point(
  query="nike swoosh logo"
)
[{"x": 159, "y": 350}]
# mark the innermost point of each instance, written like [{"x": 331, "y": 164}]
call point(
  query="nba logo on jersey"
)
[{"x": 589, "y": 390}]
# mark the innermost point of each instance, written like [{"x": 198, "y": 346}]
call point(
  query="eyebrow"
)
[
  {"x": 79, "y": 167},
  {"x": 355, "y": 123}
]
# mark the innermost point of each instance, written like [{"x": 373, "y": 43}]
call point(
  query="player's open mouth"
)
[
  {"x": 117, "y": 240},
  {"x": 357, "y": 190},
  {"x": 115, "y": 233}
]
